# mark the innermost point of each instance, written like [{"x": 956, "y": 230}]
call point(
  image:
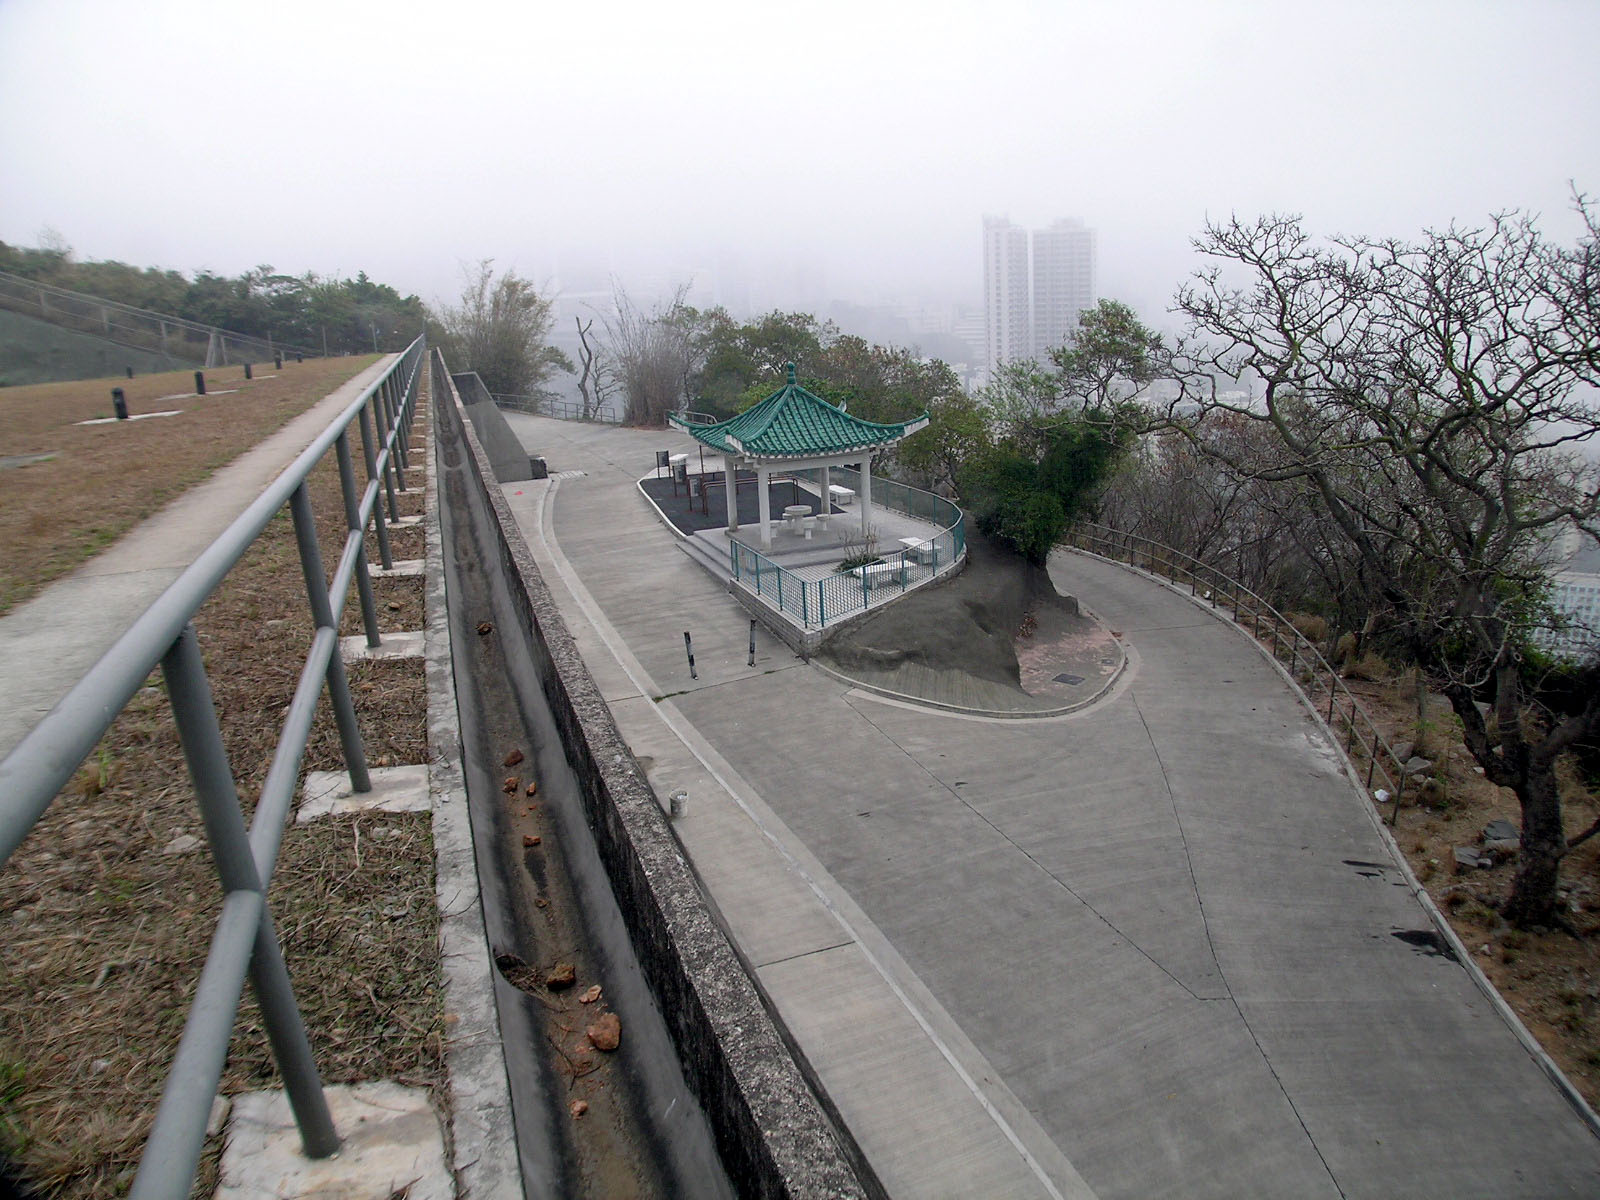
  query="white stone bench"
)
[
  {"x": 918, "y": 549},
  {"x": 876, "y": 575},
  {"x": 842, "y": 496}
]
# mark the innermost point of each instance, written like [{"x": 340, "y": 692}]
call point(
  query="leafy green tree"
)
[
  {"x": 1025, "y": 492},
  {"x": 501, "y": 330}
]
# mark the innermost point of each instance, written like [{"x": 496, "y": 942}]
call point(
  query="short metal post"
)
[
  {"x": 196, "y": 717},
  {"x": 119, "y": 402},
  {"x": 688, "y": 648},
  {"x": 753, "y": 638},
  {"x": 384, "y": 556},
  {"x": 130, "y": 372},
  {"x": 299, "y": 358},
  {"x": 200, "y": 383},
  {"x": 277, "y": 362},
  {"x": 352, "y": 516},
  {"x": 249, "y": 372},
  {"x": 344, "y": 709}
]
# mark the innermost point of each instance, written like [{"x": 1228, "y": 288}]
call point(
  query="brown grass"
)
[
  {"x": 101, "y": 480},
  {"x": 102, "y": 933},
  {"x": 1552, "y": 980}
]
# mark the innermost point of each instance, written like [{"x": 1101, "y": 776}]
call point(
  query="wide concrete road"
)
[{"x": 1165, "y": 927}]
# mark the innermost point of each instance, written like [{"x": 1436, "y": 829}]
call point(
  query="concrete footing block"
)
[
  {"x": 402, "y": 568},
  {"x": 390, "y": 1145},
  {"x": 391, "y": 645},
  {"x": 403, "y": 522},
  {"x": 394, "y": 789}
]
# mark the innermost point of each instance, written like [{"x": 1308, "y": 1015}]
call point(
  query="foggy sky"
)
[{"x": 824, "y": 150}]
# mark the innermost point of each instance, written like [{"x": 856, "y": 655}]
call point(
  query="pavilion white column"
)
[
  {"x": 866, "y": 495},
  {"x": 730, "y": 475},
  {"x": 827, "y": 496},
  {"x": 765, "y": 506}
]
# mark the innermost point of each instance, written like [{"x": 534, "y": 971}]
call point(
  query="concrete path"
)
[
  {"x": 1153, "y": 948},
  {"x": 51, "y": 641}
]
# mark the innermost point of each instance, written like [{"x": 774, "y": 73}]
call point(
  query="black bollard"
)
[
  {"x": 248, "y": 374},
  {"x": 688, "y": 648},
  {"x": 130, "y": 372},
  {"x": 299, "y": 358},
  {"x": 120, "y": 403},
  {"x": 277, "y": 362},
  {"x": 199, "y": 383},
  {"x": 752, "y": 641}
]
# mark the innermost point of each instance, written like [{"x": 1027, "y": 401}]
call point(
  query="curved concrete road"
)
[{"x": 1156, "y": 948}]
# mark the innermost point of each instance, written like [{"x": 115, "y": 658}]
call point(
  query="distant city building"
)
[
  {"x": 1008, "y": 316},
  {"x": 1575, "y": 596},
  {"x": 1063, "y": 282},
  {"x": 1034, "y": 288}
]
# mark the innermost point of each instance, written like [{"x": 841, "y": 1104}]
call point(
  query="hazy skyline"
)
[{"x": 848, "y": 148}]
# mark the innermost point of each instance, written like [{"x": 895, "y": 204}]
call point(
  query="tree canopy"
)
[
  {"x": 337, "y": 315},
  {"x": 1423, "y": 400}
]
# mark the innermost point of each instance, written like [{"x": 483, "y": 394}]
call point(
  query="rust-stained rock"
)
[
  {"x": 561, "y": 977},
  {"x": 590, "y": 995},
  {"x": 530, "y": 839},
  {"x": 579, "y": 1107},
  {"x": 606, "y": 1032},
  {"x": 513, "y": 758},
  {"x": 511, "y": 784}
]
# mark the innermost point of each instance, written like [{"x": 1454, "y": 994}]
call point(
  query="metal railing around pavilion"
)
[
  {"x": 1312, "y": 673},
  {"x": 244, "y": 941},
  {"x": 816, "y": 603}
]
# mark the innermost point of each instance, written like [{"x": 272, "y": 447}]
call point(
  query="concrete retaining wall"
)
[{"x": 772, "y": 1133}]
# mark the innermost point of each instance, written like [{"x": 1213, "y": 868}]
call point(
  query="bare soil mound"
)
[{"x": 970, "y": 623}]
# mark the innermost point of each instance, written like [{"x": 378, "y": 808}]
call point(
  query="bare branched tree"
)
[
  {"x": 596, "y": 376},
  {"x": 1426, "y": 399},
  {"x": 656, "y": 354}
]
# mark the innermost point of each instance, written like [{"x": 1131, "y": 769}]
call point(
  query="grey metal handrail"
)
[
  {"x": 244, "y": 939},
  {"x": 1306, "y": 663}
]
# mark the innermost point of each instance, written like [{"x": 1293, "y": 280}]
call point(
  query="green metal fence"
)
[{"x": 814, "y": 603}]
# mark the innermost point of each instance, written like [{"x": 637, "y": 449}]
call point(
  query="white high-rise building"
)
[
  {"x": 1063, "y": 282},
  {"x": 1007, "y": 311}
]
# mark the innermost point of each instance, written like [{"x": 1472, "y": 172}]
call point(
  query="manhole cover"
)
[{"x": 1074, "y": 680}]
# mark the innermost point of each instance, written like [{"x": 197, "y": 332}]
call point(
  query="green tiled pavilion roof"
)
[{"x": 794, "y": 423}]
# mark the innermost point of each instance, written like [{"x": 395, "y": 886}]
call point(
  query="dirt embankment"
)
[{"x": 970, "y": 623}]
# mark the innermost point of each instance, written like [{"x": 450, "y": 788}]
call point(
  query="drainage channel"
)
[{"x": 589, "y": 1122}]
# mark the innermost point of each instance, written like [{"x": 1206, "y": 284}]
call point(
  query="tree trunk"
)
[{"x": 1533, "y": 900}]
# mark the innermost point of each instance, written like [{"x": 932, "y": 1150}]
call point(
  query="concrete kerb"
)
[
  {"x": 1463, "y": 956},
  {"x": 771, "y": 1129}
]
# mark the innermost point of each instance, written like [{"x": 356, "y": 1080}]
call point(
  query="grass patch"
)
[
  {"x": 104, "y": 923},
  {"x": 101, "y": 480}
]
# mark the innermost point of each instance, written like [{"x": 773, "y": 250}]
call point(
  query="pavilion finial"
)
[{"x": 790, "y": 367}]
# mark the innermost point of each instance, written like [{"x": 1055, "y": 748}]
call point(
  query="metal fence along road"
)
[
  {"x": 180, "y": 339},
  {"x": 1305, "y": 663},
  {"x": 564, "y": 410},
  {"x": 244, "y": 940}
]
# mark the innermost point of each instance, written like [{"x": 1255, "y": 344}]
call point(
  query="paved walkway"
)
[
  {"x": 51, "y": 641},
  {"x": 1159, "y": 947}
]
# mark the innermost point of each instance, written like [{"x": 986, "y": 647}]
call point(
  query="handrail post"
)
[
  {"x": 380, "y": 417},
  {"x": 352, "y": 516},
  {"x": 195, "y": 715},
  {"x": 384, "y": 555},
  {"x": 344, "y": 709}
]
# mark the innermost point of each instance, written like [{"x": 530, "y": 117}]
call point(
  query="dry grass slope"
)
[
  {"x": 104, "y": 925},
  {"x": 97, "y": 481}
]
